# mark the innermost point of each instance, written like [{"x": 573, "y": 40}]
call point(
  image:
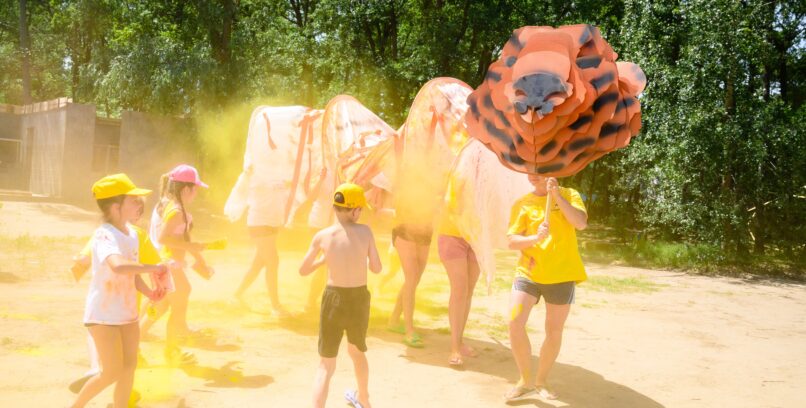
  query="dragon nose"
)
[{"x": 532, "y": 92}]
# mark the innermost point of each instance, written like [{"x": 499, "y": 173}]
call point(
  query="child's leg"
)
[
  {"x": 95, "y": 367},
  {"x": 95, "y": 364},
  {"x": 361, "y": 373},
  {"x": 177, "y": 321},
  {"x": 130, "y": 339},
  {"x": 320, "y": 387},
  {"x": 108, "y": 343},
  {"x": 160, "y": 308}
]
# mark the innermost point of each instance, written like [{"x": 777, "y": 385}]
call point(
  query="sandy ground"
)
[{"x": 635, "y": 338}]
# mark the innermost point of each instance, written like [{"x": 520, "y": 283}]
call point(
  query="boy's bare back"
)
[{"x": 347, "y": 248}]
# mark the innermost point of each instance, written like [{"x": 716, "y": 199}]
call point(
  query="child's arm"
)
[
  {"x": 200, "y": 266},
  {"x": 82, "y": 261},
  {"x": 155, "y": 294},
  {"x": 310, "y": 263},
  {"x": 177, "y": 241},
  {"x": 123, "y": 266},
  {"x": 374, "y": 258}
]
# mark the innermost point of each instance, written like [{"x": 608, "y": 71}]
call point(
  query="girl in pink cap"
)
[{"x": 170, "y": 229}]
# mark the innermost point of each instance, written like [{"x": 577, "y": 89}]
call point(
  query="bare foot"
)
[{"x": 468, "y": 351}]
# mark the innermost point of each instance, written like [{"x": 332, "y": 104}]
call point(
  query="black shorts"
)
[
  {"x": 343, "y": 309},
  {"x": 263, "y": 231},
  {"x": 555, "y": 293},
  {"x": 413, "y": 233}
]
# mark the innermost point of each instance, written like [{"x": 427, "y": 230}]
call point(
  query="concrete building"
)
[{"x": 57, "y": 148}]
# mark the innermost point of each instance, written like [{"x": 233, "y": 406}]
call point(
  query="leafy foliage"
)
[{"x": 720, "y": 161}]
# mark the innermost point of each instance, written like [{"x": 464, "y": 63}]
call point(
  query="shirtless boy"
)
[{"x": 347, "y": 249}]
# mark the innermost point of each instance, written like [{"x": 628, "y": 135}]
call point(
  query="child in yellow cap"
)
[
  {"x": 82, "y": 262},
  {"x": 347, "y": 248},
  {"x": 111, "y": 314}
]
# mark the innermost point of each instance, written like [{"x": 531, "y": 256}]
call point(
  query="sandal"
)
[
  {"x": 455, "y": 361},
  {"x": 415, "y": 341},
  {"x": 544, "y": 393},
  {"x": 518, "y": 392},
  {"x": 352, "y": 398}
]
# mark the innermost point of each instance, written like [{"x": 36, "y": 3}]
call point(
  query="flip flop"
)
[
  {"x": 352, "y": 398},
  {"x": 455, "y": 361},
  {"x": 415, "y": 341},
  {"x": 544, "y": 393},
  {"x": 518, "y": 392}
]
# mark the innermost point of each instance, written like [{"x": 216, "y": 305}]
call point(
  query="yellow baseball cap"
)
[
  {"x": 349, "y": 195},
  {"x": 115, "y": 185}
]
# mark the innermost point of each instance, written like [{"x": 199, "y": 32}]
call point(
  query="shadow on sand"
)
[
  {"x": 576, "y": 386},
  {"x": 227, "y": 376}
]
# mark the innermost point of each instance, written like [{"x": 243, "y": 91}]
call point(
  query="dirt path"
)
[{"x": 635, "y": 338}]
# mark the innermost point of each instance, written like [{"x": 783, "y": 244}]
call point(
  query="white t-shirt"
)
[
  {"x": 112, "y": 297},
  {"x": 154, "y": 228}
]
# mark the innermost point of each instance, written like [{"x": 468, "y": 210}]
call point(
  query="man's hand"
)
[
  {"x": 553, "y": 187},
  {"x": 542, "y": 232}
]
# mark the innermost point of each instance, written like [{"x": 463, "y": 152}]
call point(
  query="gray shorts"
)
[{"x": 555, "y": 293}]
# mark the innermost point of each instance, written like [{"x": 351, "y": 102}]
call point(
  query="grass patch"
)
[
  {"x": 611, "y": 284},
  {"x": 26, "y": 257},
  {"x": 602, "y": 245}
]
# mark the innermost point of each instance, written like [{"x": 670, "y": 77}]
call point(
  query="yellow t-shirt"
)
[
  {"x": 147, "y": 254},
  {"x": 556, "y": 259},
  {"x": 170, "y": 211}
]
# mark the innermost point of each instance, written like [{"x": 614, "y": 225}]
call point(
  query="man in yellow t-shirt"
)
[{"x": 549, "y": 267}]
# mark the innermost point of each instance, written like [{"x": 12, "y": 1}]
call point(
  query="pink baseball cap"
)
[{"x": 186, "y": 174}]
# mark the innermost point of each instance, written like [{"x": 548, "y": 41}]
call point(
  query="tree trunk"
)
[
  {"x": 25, "y": 52},
  {"x": 592, "y": 187}
]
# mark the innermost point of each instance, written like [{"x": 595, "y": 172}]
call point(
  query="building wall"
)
[
  {"x": 9, "y": 126},
  {"x": 61, "y": 139},
  {"x": 12, "y": 177},
  {"x": 79, "y": 135},
  {"x": 47, "y": 133}
]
